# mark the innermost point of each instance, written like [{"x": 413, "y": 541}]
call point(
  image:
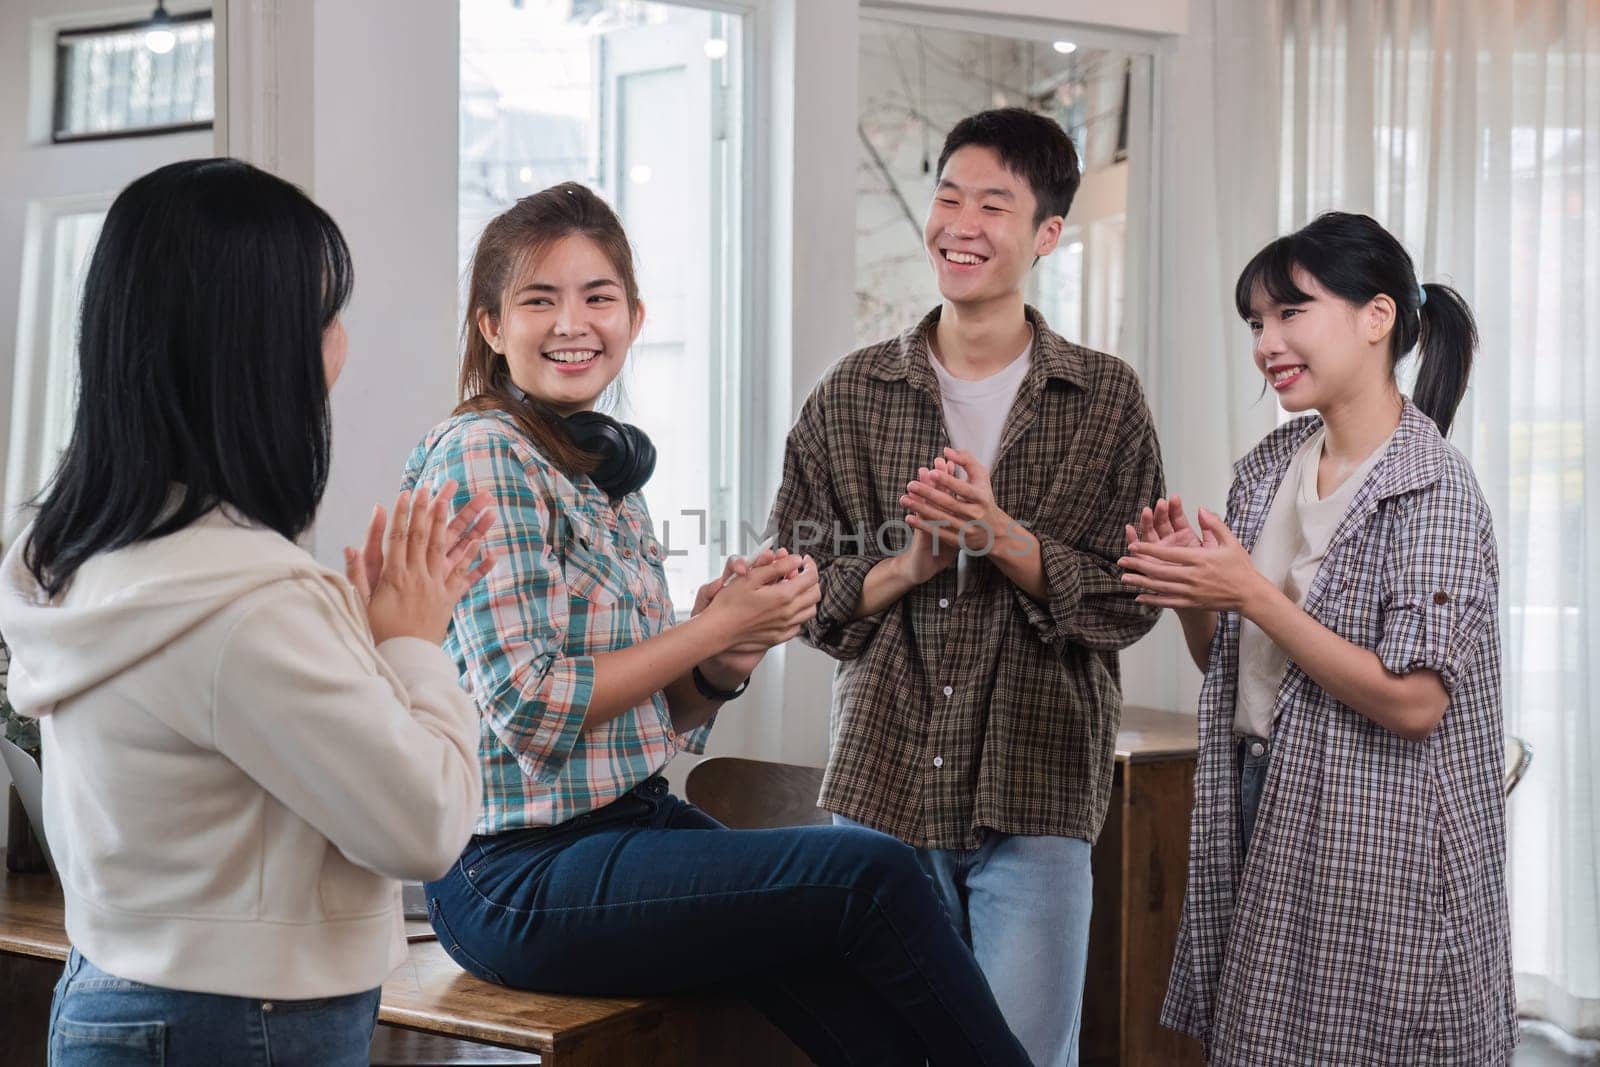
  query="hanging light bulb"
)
[{"x": 158, "y": 34}]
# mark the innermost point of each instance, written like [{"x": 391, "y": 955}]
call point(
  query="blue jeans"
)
[
  {"x": 834, "y": 934},
  {"x": 100, "y": 1020},
  {"x": 1023, "y": 904},
  {"x": 1255, "y": 756}
]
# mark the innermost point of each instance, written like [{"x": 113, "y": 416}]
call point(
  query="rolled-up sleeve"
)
[
  {"x": 1087, "y": 601},
  {"x": 510, "y": 630},
  {"x": 1440, "y": 583}
]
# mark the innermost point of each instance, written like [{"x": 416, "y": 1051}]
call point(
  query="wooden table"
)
[
  {"x": 429, "y": 993},
  {"x": 1140, "y": 863}
]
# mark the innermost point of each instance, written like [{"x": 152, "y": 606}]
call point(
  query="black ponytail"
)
[
  {"x": 1448, "y": 338},
  {"x": 1355, "y": 259}
]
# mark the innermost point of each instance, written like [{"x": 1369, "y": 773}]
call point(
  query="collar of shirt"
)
[
  {"x": 1414, "y": 458},
  {"x": 1052, "y": 357}
]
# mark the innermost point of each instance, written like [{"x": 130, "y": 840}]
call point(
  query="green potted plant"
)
[{"x": 23, "y": 852}]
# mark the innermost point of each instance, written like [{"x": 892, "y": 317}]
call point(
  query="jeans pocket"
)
[
  {"x": 452, "y": 947},
  {"x": 125, "y": 1044}
]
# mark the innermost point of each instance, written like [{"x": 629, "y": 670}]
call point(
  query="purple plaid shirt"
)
[{"x": 1369, "y": 923}]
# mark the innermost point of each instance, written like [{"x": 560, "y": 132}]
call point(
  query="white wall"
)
[
  {"x": 813, "y": 306},
  {"x": 359, "y": 108},
  {"x": 377, "y": 78}
]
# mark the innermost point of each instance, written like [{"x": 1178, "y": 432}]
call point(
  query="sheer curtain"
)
[{"x": 1471, "y": 128}]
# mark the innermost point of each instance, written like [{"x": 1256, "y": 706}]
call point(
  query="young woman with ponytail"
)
[
  {"x": 585, "y": 875},
  {"x": 1346, "y": 899}
]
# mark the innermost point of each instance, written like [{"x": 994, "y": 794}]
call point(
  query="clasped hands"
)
[
  {"x": 948, "y": 514},
  {"x": 1175, "y": 565}
]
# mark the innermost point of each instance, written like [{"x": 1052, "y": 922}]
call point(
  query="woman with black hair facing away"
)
[
  {"x": 585, "y": 875},
  {"x": 244, "y": 748},
  {"x": 1346, "y": 900}
]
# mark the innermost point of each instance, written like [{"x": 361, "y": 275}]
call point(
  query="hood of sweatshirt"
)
[{"x": 125, "y": 605}]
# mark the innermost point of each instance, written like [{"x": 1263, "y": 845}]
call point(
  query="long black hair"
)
[
  {"x": 201, "y": 379},
  {"x": 1355, "y": 259}
]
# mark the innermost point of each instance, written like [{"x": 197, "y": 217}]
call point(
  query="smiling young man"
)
[{"x": 976, "y": 702}]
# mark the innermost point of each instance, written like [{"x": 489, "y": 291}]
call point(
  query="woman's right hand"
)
[
  {"x": 769, "y": 603},
  {"x": 1165, "y": 524},
  {"x": 412, "y": 575}
]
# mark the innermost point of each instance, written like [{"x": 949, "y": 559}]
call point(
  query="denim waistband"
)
[{"x": 636, "y": 803}]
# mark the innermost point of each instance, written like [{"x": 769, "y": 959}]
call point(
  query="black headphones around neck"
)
[{"x": 627, "y": 455}]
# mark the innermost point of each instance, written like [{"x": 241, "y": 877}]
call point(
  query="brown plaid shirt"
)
[{"x": 988, "y": 710}]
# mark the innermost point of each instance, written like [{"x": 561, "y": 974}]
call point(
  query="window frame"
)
[
  {"x": 32, "y": 374},
  {"x": 1144, "y": 110},
  {"x": 737, "y": 448},
  {"x": 58, "y": 87}
]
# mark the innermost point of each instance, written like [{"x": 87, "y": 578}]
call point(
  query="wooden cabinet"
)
[{"x": 1140, "y": 866}]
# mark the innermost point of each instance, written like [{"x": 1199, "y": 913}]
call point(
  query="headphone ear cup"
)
[
  {"x": 597, "y": 433},
  {"x": 627, "y": 456},
  {"x": 641, "y": 452}
]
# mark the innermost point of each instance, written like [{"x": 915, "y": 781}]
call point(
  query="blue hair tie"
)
[{"x": 1422, "y": 295}]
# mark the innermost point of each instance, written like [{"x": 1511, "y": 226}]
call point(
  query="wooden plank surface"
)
[
  {"x": 1153, "y": 734},
  {"x": 32, "y": 916},
  {"x": 430, "y": 993},
  {"x": 748, "y": 794}
]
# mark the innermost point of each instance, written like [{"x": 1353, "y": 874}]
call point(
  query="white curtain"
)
[{"x": 1471, "y": 129}]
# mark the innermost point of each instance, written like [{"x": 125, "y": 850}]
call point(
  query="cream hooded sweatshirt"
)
[{"x": 234, "y": 776}]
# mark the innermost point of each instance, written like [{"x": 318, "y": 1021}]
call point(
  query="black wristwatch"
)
[{"x": 711, "y": 692}]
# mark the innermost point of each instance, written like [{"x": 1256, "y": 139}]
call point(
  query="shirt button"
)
[
  {"x": 1441, "y": 597},
  {"x": 948, "y": 691},
  {"x": 944, "y": 602},
  {"x": 627, "y": 553},
  {"x": 1257, "y": 748},
  {"x": 938, "y": 761}
]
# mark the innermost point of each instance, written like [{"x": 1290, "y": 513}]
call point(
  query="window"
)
[
  {"x": 60, "y": 239},
  {"x": 127, "y": 80},
  {"x": 642, "y": 102},
  {"x": 916, "y": 83}
]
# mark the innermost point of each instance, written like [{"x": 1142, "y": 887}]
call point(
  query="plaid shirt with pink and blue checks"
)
[{"x": 576, "y": 576}]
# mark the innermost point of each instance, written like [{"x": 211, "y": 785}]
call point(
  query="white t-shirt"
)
[
  {"x": 1293, "y": 542},
  {"x": 975, "y": 413}
]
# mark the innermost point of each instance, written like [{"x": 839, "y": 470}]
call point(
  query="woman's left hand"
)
[{"x": 1215, "y": 575}]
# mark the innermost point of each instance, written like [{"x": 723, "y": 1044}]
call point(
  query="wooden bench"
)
[{"x": 428, "y": 994}]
